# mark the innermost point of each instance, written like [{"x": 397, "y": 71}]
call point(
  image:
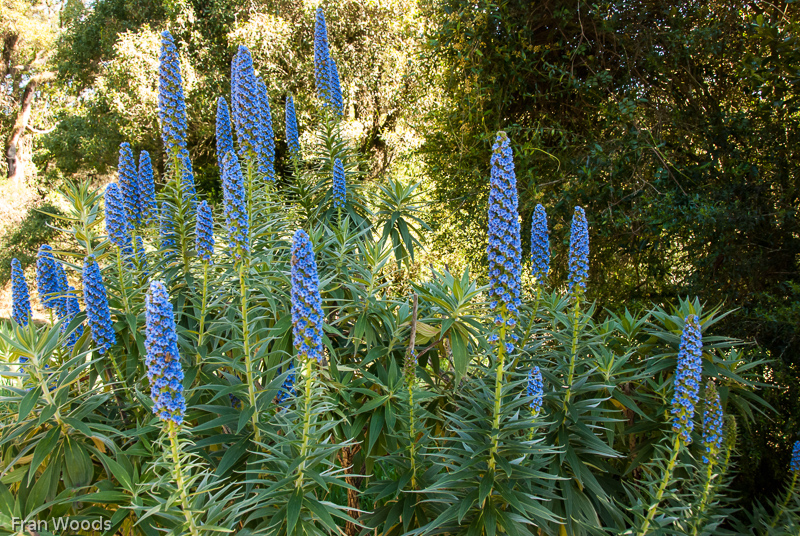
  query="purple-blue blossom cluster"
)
[
  {"x": 336, "y": 89},
  {"x": 204, "y": 232},
  {"x": 97, "y": 312},
  {"x": 504, "y": 248},
  {"x": 292, "y": 132},
  {"x": 535, "y": 389},
  {"x": 712, "y": 425},
  {"x": 224, "y": 135},
  {"x": 321, "y": 56},
  {"x": 794, "y": 465},
  {"x": 246, "y": 108},
  {"x": 129, "y": 184},
  {"x": 307, "y": 318},
  {"x": 188, "y": 190},
  {"x": 687, "y": 378},
  {"x": 171, "y": 104},
  {"x": 21, "y": 298},
  {"x": 117, "y": 223},
  {"x": 578, "y": 253},
  {"x": 266, "y": 161},
  {"x": 235, "y": 203},
  {"x": 163, "y": 359},
  {"x": 147, "y": 189},
  {"x": 48, "y": 280},
  {"x": 540, "y": 245},
  {"x": 339, "y": 185}
]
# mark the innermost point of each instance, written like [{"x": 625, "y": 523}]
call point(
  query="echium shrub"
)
[{"x": 301, "y": 382}]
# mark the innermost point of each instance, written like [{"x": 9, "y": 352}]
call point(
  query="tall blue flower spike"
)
[
  {"x": 535, "y": 389},
  {"x": 63, "y": 287},
  {"x": 794, "y": 466},
  {"x": 339, "y": 185},
  {"x": 204, "y": 233},
  {"x": 148, "y": 210},
  {"x": 48, "y": 282},
  {"x": 540, "y": 245},
  {"x": 504, "y": 250},
  {"x": 288, "y": 388},
  {"x": 171, "y": 104},
  {"x": 129, "y": 184},
  {"x": 578, "y": 253},
  {"x": 163, "y": 359},
  {"x": 235, "y": 203},
  {"x": 234, "y": 93},
  {"x": 321, "y": 57},
  {"x": 166, "y": 227},
  {"x": 224, "y": 136},
  {"x": 687, "y": 378},
  {"x": 247, "y": 109},
  {"x": 73, "y": 308},
  {"x": 336, "y": 89},
  {"x": 712, "y": 425},
  {"x": 21, "y": 299},
  {"x": 292, "y": 132},
  {"x": 117, "y": 227},
  {"x": 307, "y": 317},
  {"x": 97, "y": 312},
  {"x": 267, "y": 145}
]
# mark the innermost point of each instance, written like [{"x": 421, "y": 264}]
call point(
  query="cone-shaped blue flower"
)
[
  {"x": 540, "y": 245},
  {"x": 97, "y": 312},
  {"x": 687, "y": 378},
  {"x": 267, "y": 144},
  {"x": 535, "y": 389},
  {"x": 148, "y": 209},
  {"x": 224, "y": 136},
  {"x": 322, "y": 56},
  {"x": 73, "y": 308},
  {"x": 235, "y": 203},
  {"x": 247, "y": 109},
  {"x": 339, "y": 185},
  {"x": 292, "y": 132},
  {"x": 307, "y": 317},
  {"x": 117, "y": 223},
  {"x": 163, "y": 359},
  {"x": 171, "y": 104},
  {"x": 336, "y": 101},
  {"x": 578, "y": 253},
  {"x": 794, "y": 466},
  {"x": 129, "y": 184},
  {"x": 204, "y": 232},
  {"x": 21, "y": 298},
  {"x": 48, "y": 281},
  {"x": 504, "y": 250}
]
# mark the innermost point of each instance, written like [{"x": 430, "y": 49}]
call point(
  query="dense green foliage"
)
[{"x": 674, "y": 123}]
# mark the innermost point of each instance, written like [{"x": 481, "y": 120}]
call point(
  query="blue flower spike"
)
[
  {"x": 266, "y": 163},
  {"x": 504, "y": 249},
  {"x": 235, "y": 205},
  {"x": 97, "y": 311},
  {"x": 307, "y": 317},
  {"x": 21, "y": 299},
  {"x": 48, "y": 280},
  {"x": 578, "y": 254},
  {"x": 794, "y": 466},
  {"x": 171, "y": 103},
  {"x": 540, "y": 246},
  {"x": 339, "y": 185},
  {"x": 117, "y": 223},
  {"x": 687, "y": 379},
  {"x": 321, "y": 58},
  {"x": 535, "y": 390},
  {"x": 224, "y": 135},
  {"x": 148, "y": 210},
  {"x": 292, "y": 132},
  {"x": 163, "y": 359},
  {"x": 247, "y": 109},
  {"x": 129, "y": 184}
]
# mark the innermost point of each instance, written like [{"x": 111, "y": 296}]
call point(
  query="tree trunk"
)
[{"x": 16, "y": 171}]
